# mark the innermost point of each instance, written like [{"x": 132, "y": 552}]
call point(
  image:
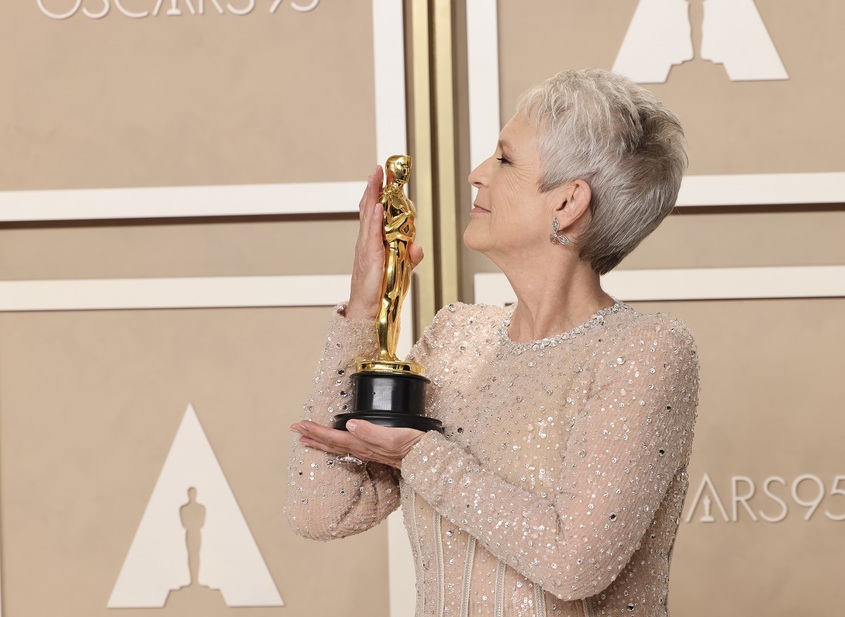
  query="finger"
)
[
  {"x": 316, "y": 445},
  {"x": 415, "y": 252},
  {"x": 317, "y": 431},
  {"x": 342, "y": 439},
  {"x": 332, "y": 439},
  {"x": 365, "y": 214},
  {"x": 299, "y": 427},
  {"x": 328, "y": 448},
  {"x": 370, "y": 241},
  {"x": 384, "y": 439},
  {"x": 374, "y": 226},
  {"x": 371, "y": 190}
]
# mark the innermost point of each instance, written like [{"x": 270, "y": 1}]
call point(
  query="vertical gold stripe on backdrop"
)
[
  {"x": 434, "y": 152},
  {"x": 423, "y": 170},
  {"x": 445, "y": 144}
]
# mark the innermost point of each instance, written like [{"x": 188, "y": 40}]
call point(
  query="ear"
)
[{"x": 573, "y": 204}]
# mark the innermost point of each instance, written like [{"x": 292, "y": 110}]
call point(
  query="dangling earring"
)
[{"x": 556, "y": 237}]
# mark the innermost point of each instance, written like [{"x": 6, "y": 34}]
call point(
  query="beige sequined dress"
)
[{"x": 558, "y": 485}]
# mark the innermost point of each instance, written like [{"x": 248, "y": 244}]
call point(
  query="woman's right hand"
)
[{"x": 368, "y": 267}]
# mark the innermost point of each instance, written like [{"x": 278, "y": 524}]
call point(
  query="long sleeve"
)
[
  {"x": 326, "y": 499},
  {"x": 626, "y": 443}
]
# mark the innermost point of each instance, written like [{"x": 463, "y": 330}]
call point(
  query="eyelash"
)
[{"x": 502, "y": 160}]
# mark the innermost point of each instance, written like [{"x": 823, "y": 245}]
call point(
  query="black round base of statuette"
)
[
  {"x": 390, "y": 418},
  {"x": 395, "y": 399}
]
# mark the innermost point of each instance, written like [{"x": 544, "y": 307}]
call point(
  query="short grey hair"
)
[{"x": 602, "y": 128}]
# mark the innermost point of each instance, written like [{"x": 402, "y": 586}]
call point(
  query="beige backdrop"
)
[
  {"x": 732, "y": 127},
  {"x": 189, "y": 100},
  {"x": 90, "y": 400},
  {"x": 768, "y": 416},
  {"x": 770, "y": 367}
]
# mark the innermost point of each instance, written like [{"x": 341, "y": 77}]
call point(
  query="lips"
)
[{"x": 478, "y": 209}]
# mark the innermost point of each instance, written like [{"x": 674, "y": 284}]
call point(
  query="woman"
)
[{"x": 558, "y": 484}]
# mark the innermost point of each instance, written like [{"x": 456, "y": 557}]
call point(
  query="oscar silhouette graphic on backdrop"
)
[
  {"x": 194, "y": 595},
  {"x": 193, "y": 518},
  {"x": 198, "y": 553},
  {"x": 666, "y": 33}
]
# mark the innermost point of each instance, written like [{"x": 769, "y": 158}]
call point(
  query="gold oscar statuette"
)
[{"x": 386, "y": 390}]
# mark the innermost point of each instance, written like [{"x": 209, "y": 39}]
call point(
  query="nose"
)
[{"x": 476, "y": 176}]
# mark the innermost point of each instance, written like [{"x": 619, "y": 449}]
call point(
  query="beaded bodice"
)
[{"x": 557, "y": 486}]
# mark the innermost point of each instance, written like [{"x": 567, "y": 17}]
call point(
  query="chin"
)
[{"x": 471, "y": 239}]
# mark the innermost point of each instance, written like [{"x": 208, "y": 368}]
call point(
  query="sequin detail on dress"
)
[
  {"x": 562, "y": 470},
  {"x": 597, "y": 319}
]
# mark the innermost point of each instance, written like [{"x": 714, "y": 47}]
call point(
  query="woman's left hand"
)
[{"x": 362, "y": 439}]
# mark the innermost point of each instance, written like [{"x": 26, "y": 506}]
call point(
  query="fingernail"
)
[{"x": 351, "y": 426}]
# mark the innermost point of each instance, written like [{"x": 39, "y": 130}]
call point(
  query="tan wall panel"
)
[
  {"x": 770, "y": 390},
  {"x": 90, "y": 401},
  {"x": 90, "y": 405},
  {"x": 196, "y": 99},
  {"x": 691, "y": 240},
  {"x": 217, "y": 249},
  {"x": 728, "y": 124},
  {"x": 732, "y": 127}
]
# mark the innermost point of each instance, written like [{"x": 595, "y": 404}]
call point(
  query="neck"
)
[{"x": 554, "y": 300}]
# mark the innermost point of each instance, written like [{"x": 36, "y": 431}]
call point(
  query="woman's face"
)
[{"x": 510, "y": 214}]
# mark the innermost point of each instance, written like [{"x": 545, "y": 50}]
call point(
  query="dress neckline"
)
[{"x": 597, "y": 319}]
